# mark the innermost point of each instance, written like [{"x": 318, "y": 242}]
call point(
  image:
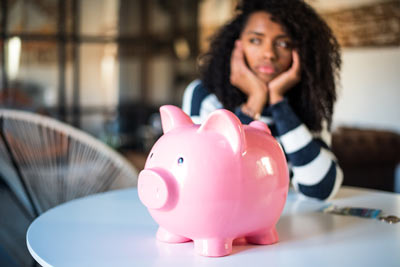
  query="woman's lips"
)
[{"x": 266, "y": 69}]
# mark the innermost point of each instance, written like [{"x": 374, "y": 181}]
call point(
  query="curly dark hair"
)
[{"x": 312, "y": 99}]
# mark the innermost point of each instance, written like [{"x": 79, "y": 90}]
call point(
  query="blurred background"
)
[{"x": 106, "y": 66}]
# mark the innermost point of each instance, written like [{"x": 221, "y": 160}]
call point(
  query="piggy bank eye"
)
[
  {"x": 180, "y": 160},
  {"x": 151, "y": 155}
]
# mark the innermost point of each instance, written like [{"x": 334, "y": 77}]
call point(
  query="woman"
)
[{"x": 277, "y": 61}]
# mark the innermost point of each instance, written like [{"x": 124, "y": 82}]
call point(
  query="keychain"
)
[
  {"x": 360, "y": 212},
  {"x": 391, "y": 219}
]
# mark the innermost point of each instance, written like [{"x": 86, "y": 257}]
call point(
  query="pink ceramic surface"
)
[{"x": 215, "y": 182}]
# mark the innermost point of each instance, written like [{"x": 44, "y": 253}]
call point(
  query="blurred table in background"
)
[
  {"x": 368, "y": 157},
  {"x": 137, "y": 158}
]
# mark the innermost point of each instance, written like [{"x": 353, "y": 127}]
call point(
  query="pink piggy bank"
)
[{"x": 215, "y": 182}]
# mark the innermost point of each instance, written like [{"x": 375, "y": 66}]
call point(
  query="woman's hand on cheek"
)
[
  {"x": 243, "y": 78},
  {"x": 285, "y": 81}
]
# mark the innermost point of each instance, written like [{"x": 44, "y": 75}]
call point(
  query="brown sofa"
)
[{"x": 368, "y": 157}]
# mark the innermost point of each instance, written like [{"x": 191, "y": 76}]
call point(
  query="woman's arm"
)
[
  {"x": 247, "y": 82},
  {"x": 316, "y": 172}
]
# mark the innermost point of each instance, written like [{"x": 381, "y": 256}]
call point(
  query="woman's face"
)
[{"x": 266, "y": 46}]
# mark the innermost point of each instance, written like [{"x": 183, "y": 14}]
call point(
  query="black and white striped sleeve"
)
[
  {"x": 198, "y": 102},
  {"x": 316, "y": 172}
]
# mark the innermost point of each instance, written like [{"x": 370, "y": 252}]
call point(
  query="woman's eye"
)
[
  {"x": 255, "y": 41},
  {"x": 283, "y": 44}
]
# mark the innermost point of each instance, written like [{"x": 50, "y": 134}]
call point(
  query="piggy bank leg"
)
[
  {"x": 213, "y": 247},
  {"x": 168, "y": 237},
  {"x": 266, "y": 237}
]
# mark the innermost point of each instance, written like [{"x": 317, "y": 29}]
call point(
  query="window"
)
[{"x": 102, "y": 65}]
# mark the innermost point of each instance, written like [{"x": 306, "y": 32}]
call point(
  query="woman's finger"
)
[
  {"x": 296, "y": 61},
  {"x": 237, "y": 53}
]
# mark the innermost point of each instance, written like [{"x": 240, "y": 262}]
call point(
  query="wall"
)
[
  {"x": 329, "y": 5},
  {"x": 370, "y": 93}
]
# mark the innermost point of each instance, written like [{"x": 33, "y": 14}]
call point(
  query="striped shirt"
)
[{"x": 314, "y": 170}]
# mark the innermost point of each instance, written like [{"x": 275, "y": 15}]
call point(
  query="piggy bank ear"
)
[
  {"x": 227, "y": 124},
  {"x": 260, "y": 126},
  {"x": 173, "y": 117}
]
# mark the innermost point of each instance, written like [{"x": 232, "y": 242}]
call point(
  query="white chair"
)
[{"x": 45, "y": 162}]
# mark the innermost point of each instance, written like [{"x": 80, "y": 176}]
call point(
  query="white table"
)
[{"x": 115, "y": 229}]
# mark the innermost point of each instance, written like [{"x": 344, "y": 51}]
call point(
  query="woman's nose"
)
[{"x": 269, "y": 51}]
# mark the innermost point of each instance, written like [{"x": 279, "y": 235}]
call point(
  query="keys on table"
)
[
  {"x": 360, "y": 212},
  {"x": 391, "y": 219}
]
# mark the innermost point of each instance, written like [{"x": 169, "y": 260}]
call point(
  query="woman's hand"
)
[
  {"x": 244, "y": 79},
  {"x": 284, "y": 81}
]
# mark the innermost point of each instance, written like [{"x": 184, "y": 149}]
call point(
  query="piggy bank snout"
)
[{"x": 155, "y": 189}]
